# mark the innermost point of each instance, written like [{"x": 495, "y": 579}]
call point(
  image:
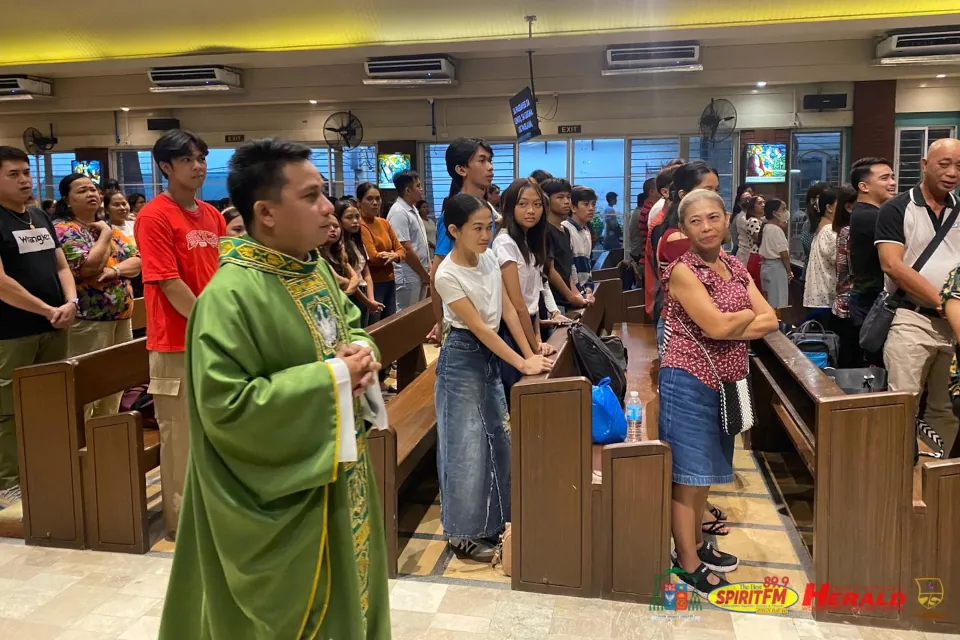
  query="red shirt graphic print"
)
[{"x": 175, "y": 243}]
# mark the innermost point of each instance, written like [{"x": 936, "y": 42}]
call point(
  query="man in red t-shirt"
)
[{"x": 178, "y": 238}]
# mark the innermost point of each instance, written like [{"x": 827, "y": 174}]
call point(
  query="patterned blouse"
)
[
  {"x": 683, "y": 337},
  {"x": 112, "y": 300},
  {"x": 951, "y": 291},
  {"x": 841, "y": 305}
]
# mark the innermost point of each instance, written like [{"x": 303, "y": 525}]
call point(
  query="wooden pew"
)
[
  {"x": 412, "y": 435},
  {"x": 84, "y": 485},
  {"x": 581, "y": 526},
  {"x": 878, "y": 521},
  {"x": 139, "y": 320},
  {"x": 633, "y": 310}
]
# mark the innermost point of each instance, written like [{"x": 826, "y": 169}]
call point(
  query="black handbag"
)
[
  {"x": 876, "y": 326},
  {"x": 738, "y": 411}
]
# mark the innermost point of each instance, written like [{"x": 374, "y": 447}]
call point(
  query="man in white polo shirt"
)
[
  {"x": 919, "y": 346},
  {"x": 413, "y": 275}
]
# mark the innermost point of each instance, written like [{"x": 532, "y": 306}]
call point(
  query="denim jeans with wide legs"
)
[{"x": 473, "y": 439}]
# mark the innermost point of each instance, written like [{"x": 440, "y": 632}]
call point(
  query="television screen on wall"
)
[
  {"x": 766, "y": 162},
  {"x": 89, "y": 168},
  {"x": 389, "y": 165}
]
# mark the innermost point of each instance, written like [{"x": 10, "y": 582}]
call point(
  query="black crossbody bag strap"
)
[{"x": 928, "y": 252}]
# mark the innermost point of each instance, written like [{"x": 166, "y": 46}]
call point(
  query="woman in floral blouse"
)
[{"x": 103, "y": 260}]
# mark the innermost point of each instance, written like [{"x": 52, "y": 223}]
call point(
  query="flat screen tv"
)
[
  {"x": 389, "y": 165},
  {"x": 89, "y": 168},
  {"x": 766, "y": 162}
]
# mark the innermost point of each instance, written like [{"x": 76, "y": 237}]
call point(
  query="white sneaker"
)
[{"x": 9, "y": 497}]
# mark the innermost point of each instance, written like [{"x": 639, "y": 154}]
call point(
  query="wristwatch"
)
[{"x": 75, "y": 301}]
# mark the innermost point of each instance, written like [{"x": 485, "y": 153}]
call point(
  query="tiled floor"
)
[{"x": 54, "y": 594}]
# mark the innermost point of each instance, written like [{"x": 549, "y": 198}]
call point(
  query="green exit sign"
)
[{"x": 569, "y": 128}]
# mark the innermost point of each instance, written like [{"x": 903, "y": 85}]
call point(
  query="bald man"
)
[{"x": 919, "y": 347}]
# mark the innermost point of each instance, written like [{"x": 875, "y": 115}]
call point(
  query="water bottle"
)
[{"x": 634, "y": 418}]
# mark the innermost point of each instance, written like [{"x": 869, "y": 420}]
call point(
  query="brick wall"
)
[{"x": 874, "y": 113}]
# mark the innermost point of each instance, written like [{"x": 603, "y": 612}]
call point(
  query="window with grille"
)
[
  {"x": 436, "y": 180},
  {"x": 647, "y": 158},
  {"x": 718, "y": 155},
  {"x": 912, "y": 145},
  {"x": 356, "y": 166},
  {"x": 135, "y": 172},
  {"x": 60, "y": 165},
  {"x": 815, "y": 156},
  {"x": 321, "y": 157}
]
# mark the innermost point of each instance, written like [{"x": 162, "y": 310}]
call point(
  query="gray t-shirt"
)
[{"x": 408, "y": 225}]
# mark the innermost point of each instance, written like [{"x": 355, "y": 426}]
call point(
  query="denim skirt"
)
[
  {"x": 690, "y": 424},
  {"x": 508, "y": 374},
  {"x": 473, "y": 439}
]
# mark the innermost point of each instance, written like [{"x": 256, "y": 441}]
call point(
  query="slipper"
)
[
  {"x": 718, "y": 514},
  {"x": 715, "y": 528}
]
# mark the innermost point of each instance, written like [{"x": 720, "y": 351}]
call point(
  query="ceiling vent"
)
[
  {"x": 20, "y": 87},
  {"x": 663, "y": 57},
  {"x": 181, "y": 79},
  {"x": 410, "y": 71},
  {"x": 939, "y": 45}
]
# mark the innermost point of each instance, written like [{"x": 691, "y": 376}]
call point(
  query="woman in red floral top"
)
[
  {"x": 713, "y": 308},
  {"x": 851, "y": 355},
  {"x": 103, "y": 260}
]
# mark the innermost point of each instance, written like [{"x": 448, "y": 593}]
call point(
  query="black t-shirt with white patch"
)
[
  {"x": 908, "y": 221},
  {"x": 29, "y": 256},
  {"x": 561, "y": 251}
]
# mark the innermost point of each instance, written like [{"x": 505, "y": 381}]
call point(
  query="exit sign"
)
[
  {"x": 569, "y": 128},
  {"x": 237, "y": 137}
]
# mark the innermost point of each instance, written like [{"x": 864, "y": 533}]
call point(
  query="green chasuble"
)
[{"x": 277, "y": 540}]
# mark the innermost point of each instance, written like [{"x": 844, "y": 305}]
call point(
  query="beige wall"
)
[
  {"x": 928, "y": 95},
  {"x": 275, "y": 101}
]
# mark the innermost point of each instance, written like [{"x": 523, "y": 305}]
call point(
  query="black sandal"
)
[
  {"x": 699, "y": 580},
  {"x": 718, "y": 514},
  {"x": 715, "y": 528}
]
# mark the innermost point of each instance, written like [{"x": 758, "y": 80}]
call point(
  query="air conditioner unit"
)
[
  {"x": 20, "y": 87},
  {"x": 939, "y": 45},
  {"x": 180, "y": 79},
  {"x": 663, "y": 57},
  {"x": 410, "y": 71}
]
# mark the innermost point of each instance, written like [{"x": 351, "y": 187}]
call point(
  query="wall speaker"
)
[
  {"x": 162, "y": 124},
  {"x": 821, "y": 101}
]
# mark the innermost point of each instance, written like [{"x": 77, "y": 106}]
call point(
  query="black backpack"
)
[{"x": 598, "y": 358}]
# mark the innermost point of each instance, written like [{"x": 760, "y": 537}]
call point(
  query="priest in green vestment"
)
[{"x": 281, "y": 535}]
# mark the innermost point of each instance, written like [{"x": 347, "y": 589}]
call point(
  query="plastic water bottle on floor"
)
[{"x": 634, "y": 418}]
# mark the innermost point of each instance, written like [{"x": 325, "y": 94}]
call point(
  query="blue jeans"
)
[
  {"x": 473, "y": 439},
  {"x": 661, "y": 326},
  {"x": 386, "y": 294}
]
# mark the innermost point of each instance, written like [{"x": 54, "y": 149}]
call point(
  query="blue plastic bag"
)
[{"x": 609, "y": 421}]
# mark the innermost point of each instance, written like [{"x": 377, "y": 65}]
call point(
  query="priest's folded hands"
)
[{"x": 362, "y": 365}]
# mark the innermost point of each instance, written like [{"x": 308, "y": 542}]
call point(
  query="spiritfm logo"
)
[{"x": 770, "y": 596}]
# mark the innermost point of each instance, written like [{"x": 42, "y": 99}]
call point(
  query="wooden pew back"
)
[
  {"x": 395, "y": 451},
  {"x": 859, "y": 449},
  {"x": 49, "y": 401}
]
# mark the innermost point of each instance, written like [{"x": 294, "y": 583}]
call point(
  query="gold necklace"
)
[{"x": 28, "y": 221}]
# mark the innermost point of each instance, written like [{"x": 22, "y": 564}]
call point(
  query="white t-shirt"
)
[
  {"x": 480, "y": 284},
  {"x": 774, "y": 241},
  {"x": 531, "y": 280}
]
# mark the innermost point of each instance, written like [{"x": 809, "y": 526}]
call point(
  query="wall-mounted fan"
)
[
  {"x": 343, "y": 130},
  {"x": 718, "y": 120},
  {"x": 36, "y": 143}
]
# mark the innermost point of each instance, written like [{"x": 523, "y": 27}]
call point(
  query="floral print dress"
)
[{"x": 112, "y": 300}]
